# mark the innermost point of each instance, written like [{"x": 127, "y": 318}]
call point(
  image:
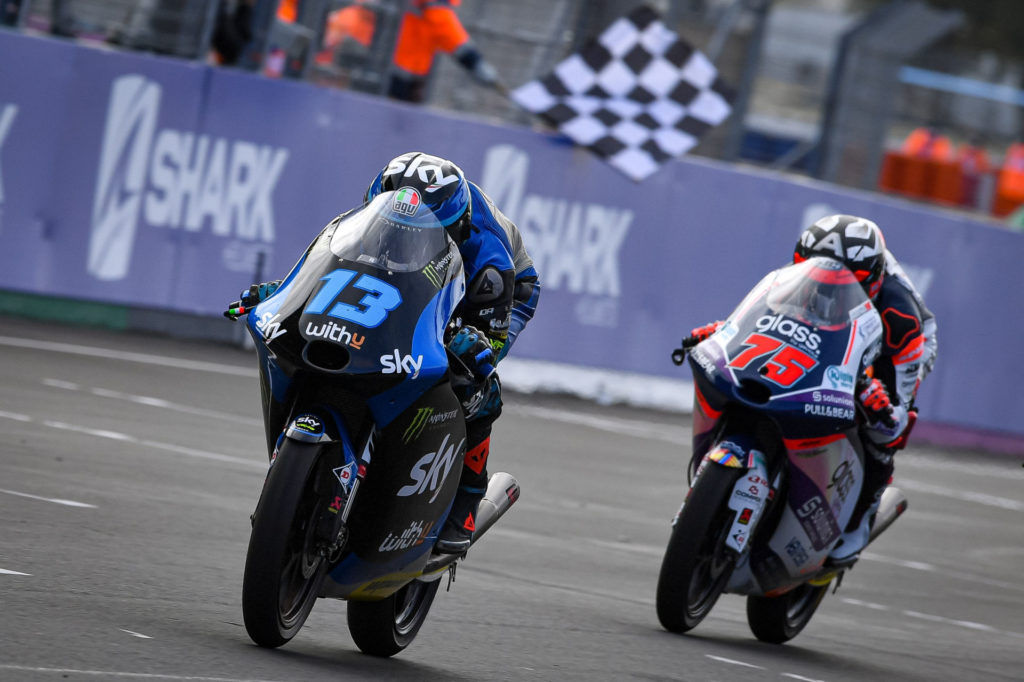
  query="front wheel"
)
[
  {"x": 385, "y": 627},
  {"x": 780, "y": 619},
  {"x": 697, "y": 563},
  {"x": 284, "y": 568}
]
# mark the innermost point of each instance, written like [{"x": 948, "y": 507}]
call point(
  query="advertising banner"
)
[{"x": 149, "y": 181}]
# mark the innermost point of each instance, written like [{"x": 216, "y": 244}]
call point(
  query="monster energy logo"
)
[
  {"x": 435, "y": 271},
  {"x": 425, "y": 416},
  {"x": 432, "y": 275}
]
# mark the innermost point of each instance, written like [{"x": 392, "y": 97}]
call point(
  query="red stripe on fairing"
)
[
  {"x": 849, "y": 348},
  {"x": 704, "y": 407},
  {"x": 913, "y": 351},
  {"x": 811, "y": 443}
]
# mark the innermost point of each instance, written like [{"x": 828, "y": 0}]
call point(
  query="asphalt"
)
[{"x": 129, "y": 465}]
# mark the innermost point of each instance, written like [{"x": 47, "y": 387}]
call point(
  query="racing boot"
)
[
  {"x": 877, "y": 476},
  {"x": 457, "y": 533}
]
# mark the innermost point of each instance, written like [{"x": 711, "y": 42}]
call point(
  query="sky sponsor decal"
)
[
  {"x": 176, "y": 179},
  {"x": 396, "y": 363},
  {"x": 432, "y": 469}
]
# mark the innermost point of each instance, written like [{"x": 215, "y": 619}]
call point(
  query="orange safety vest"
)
[
  {"x": 1011, "y": 176},
  {"x": 429, "y": 26},
  {"x": 288, "y": 11},
  {"x": 355, "y": 21},
  {"x": 926, "y": 143}
]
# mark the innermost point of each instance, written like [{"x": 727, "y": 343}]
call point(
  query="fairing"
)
[
  {"x": 354, "y": 337},
  {"x": 775, "y": 394}
]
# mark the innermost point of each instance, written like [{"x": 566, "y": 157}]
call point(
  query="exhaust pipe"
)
[{"x": 502, "y": 493}]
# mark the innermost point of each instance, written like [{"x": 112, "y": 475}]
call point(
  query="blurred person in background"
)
[
  {"x": 348, "y": 28},
  {"x": 974, "y": 162},
  {"x": 232, "y": 32},
  {"x": 501, "y": 296},
  {"x": 1010, "y": 185},
  {"x": 928, "y": 142},
  {"x": 429, "y": 27},
  {"x": 909, "y": 348},
  {"x": 9, "y": 10}
]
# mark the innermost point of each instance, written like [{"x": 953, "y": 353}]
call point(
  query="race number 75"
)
[{"x": 785, "y": 364}]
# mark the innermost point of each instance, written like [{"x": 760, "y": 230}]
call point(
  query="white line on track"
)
[
  {"x": 865, "y": 604},
  {"x": 168, "y": 447},
  {"x": 138, "y": 676},
  {"x": 801, "y": 677},
  {"x": 135, "y": 634},
  {"x": 963, "y": 495},
  {"x": 734, "y": 662},
  {"x": 54, "y": 500},
  {"x": 149, "y": 401},
  {"x": 110, "y": 354},
  {"x": 932, "y": 618},
  {"x": 4, "y": 571}
]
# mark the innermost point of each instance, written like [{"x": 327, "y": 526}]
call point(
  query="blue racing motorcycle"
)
[{"x": 364, "y": 428}]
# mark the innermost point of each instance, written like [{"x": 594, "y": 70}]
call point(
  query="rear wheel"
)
[
  {"x": 283, "y": 568},
  {"x": 385, "y": 627},
  {"x": 697, "y": 563},
  {"x": 780, "y": 619}
]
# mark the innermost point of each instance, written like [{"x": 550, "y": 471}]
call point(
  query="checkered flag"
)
[{"x": 638, "y": 95}]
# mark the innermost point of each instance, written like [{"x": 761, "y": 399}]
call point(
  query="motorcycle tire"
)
[
  {"x": 780, "y": 619},
  {"x": 697, "y": 563},
  {"x": 385, "y": 627},
  {"x": 283, "y": 568}
]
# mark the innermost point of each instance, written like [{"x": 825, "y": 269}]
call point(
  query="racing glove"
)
[
  {"x": 255, "y": 294},
  {"x": 877, "y": 407},
  {"x": 701, "y": 333},
  {"x": 484, "y": 401},
  {"x": 473, "y": 350}
]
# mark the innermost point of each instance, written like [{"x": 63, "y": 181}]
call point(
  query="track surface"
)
[{"x": 129, "y": 466}]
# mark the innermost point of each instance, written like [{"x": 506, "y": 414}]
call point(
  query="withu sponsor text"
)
[{"x": 173, "y": 178}]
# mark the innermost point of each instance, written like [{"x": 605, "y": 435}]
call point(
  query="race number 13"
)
[
  {"x": 785, "y": 365},
  {"x": 380, "y": 299}
]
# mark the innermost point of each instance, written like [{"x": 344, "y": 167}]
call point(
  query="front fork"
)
[
  {"x": 338, "y": 481},
  {"x": 750, "y": 494}
]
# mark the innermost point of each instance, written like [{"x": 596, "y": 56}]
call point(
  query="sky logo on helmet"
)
[
  {"x": 407, "y": 201},
  {"x": 174, "y": 179},
  {"x": 428, "y": 172}
]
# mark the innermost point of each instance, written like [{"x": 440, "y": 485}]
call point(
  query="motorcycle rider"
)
[
  {"x": 909, "y": 347},
  {"x": 502, "y": 290}
]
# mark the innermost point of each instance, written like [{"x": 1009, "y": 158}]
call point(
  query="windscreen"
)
[
  {"x": 819, "y": 291},
  {"x": 391, "y": 232}
]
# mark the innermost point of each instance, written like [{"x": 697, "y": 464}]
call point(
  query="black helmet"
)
[
  {"x": 437, "y": 182},
  {"x": 857, "y": 242}
]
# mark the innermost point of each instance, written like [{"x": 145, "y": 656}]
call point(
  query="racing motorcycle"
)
[
  {"x": 364, "y": 427},
  {"x": 778, "y": 464}
]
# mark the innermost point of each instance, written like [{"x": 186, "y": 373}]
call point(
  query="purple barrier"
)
[{"x": 143, "y": 180}]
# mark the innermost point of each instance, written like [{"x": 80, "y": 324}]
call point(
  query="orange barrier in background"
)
[{"x": 923, "y": 178}]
